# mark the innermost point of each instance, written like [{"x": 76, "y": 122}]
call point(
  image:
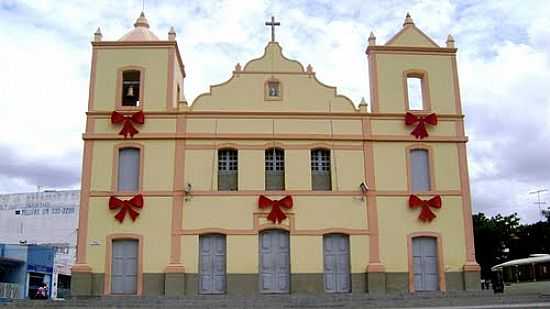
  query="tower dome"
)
[{"x": 140, "y": 32}]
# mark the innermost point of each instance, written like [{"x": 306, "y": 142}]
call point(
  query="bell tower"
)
[{"x": 416, "y": 105}]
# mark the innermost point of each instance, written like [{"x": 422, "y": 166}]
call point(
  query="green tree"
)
[{"x": 494, "y": 238}]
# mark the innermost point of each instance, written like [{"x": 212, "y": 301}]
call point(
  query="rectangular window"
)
[
  {"x": 130, "y": 88},
  {"x": 274, "y": 169},
  {"x": 228, "y": 170},
  {"x": 414, "y": 93},
  {"x": 128, "y": 169},
  {"x": 320, "y": 170},
  {"x": 420, "y": 170}
]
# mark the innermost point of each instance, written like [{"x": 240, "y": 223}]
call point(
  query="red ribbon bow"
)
[
  {"x": 426, "y": 214},
  {"x": 127, "y": 120},
  {"x": 126, "y": 206},
  {"x": 276, "y": 215},
  {"x": 420, "y": 130}
]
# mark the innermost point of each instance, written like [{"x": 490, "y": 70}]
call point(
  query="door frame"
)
[
  {"x": 108, "y": 260},
  {"x": 224, "y": 266},
  {"x": 260, "y": 261},
  {"x": 440, "y": 268},
  {"x": 349, "y": 262}
]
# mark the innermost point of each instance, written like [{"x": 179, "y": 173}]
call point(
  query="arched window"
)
[
  {"x": 420, "y": 170},
  {"x": 228, "y": 170},
  {"x": 274, "y": 169},
  {"x": 128, "y": 169},
  {"x": 414, "y": 92},
  {"x": 131, "y": 83},
  {"x": 320, "y": 170}
]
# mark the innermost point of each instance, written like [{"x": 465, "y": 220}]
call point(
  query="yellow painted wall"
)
[
  {"x": 251, "y": 174},
  {"x": 306, "y": 254},
  {"x": 390, "y": 166},
  {"x": 150, "y": 126},
  {"x": 155, "y": 62},
  {"x": 158, "y": 164},
  {"x": 156, "y": 237},
  {"x": 390, "y": 80},
  {"x": 397, "y": 221},
  {"x": 359, "y": 253},
  {"x": 398, "y": 128}
]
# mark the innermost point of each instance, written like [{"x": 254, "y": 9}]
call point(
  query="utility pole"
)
[{"x": 539, "y": 202}]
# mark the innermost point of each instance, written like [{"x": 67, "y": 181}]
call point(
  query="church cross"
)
[{"x": 272, "y": 24}]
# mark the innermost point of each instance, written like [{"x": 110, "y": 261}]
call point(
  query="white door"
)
[
  {"x": 426, "y": 277},
  {"x": 124, "y": 266},
  {"x": 212, "y": 264},
  {"x": 274, "y": 262},
  {"x": 336, "y": 263}
]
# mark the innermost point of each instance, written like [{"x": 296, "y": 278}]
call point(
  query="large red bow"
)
[
  {"x": 127, "y": 120},
  {"x": 276, "y": 215},
  {"x": 126, "y": 206},
  {"x": 420, "y": 130},
  {"x": 426, "y": 214}
]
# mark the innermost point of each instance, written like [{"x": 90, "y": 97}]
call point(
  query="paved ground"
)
[{"x": 525, "y": 295}]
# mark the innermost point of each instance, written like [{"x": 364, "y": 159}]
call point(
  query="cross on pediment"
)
[{"x": 272, "y": 24}]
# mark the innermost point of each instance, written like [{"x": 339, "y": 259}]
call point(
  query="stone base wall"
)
[{"x": 179, "y": 284}]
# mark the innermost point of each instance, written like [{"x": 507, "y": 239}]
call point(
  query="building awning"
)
[{"x": 532, "y": 259}]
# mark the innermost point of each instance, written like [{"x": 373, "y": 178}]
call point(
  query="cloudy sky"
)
[{"x": 504, "y": 67}]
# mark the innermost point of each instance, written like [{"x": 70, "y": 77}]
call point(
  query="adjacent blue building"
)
[{"x": 24, "y": 268}]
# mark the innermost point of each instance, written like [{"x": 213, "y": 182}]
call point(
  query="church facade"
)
[{"x": 272, "y": 182}]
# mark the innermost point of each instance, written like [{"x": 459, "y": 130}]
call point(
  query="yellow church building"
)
[{"x": 272, "y": 182}]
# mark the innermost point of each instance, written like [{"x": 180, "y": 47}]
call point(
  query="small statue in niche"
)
[{"x": 273, "y": 89}]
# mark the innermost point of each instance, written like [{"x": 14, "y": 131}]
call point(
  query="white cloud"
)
[{"x": 504, "y": 67}]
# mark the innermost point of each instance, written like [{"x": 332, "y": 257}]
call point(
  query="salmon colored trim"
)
[
  {"x": 108, "y": 260},
  {"x": 114, "y": 176},
  {"x": 466, "y": 206},
  {"x": 178, "y": 201},
  {"x": 252, "y": 136},
  {"x": 264, "y": 146},
  {"x": 456, "y": 87},
  {"x": 91, "y": 93},
  {"x": 170, "y": 80},
  {"x": 199, "y": 193},
  {"x": 267, "y": 97},
  {"x": 440, "y": 51},
  {"x": 440, "y": 259},
  {"x": 373, "y": 78},
  {"x": 357, "y": 115},
  {"x": 90, "y": 125},
  {"x": 374, "y": 264},
  {"x": 82, "y": 234},
  {"x": 118, "y": 98},
  {"x": 134, "y": 43},
  {"x": 425, "y": 85},
  {"x": 431, "y": 166}
]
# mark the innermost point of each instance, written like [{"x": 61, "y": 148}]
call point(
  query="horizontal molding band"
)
[
  {"x": 269, "y": 137},
  {"x": 296, "y": 232},
  {"x": 274, "y": 193},
  {"x": 268, "y": 115}
]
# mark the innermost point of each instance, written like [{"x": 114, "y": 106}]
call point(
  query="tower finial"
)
[
  {"x": 141, "y": 21},
  {"x": 98, "y": 35},
  {"x": 372, "y": 39},
  {"x": 172, "y": 34},
  {"x": 363, "y": 106},
  {"x": 408, "y": 20},
  {"x": 450, "y": 41}
]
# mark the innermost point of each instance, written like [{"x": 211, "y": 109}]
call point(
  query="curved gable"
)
[{"x": 246, "y": 89}]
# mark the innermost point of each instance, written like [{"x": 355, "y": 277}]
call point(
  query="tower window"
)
[
  {"x": 414, "y": 93},
  {"x": 131, "y": 82},
  {"x": 128, "y": 169},
  {"x": 420, "y": 170}
]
